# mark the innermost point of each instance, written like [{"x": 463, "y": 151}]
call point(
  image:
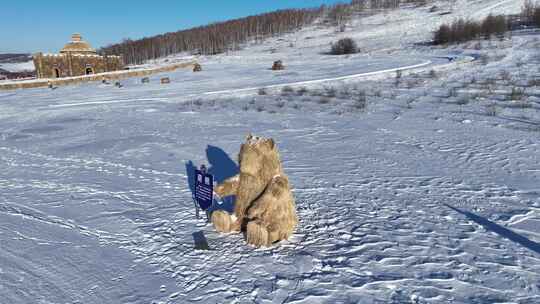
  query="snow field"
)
[{"x": 421, "y": 188}]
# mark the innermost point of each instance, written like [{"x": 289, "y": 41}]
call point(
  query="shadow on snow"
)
[
  {"x": 500, "y": 230},
  {"x": 221, "y": 166}
]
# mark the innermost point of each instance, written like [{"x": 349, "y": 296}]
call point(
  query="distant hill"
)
[
  {"x": 15, "y": 58},
  {"x": 230, "y": 35},
  {"x": 15, "y": 66}
]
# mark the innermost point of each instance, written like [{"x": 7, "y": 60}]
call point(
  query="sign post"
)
[{"x": 204, "y": 190}]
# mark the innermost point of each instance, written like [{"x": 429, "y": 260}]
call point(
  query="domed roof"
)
[{"x": 77, "y": 45}]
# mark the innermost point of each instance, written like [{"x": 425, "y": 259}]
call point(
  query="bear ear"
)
[
  {"x": 271, "y": 143},
  {"x": 249, "y": 137},
  {"x": 242, "y": 147}
]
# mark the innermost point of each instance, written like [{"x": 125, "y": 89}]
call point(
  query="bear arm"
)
[
  {"x": 261, "y": 205},
  {"x": 228, "y": 187},
  {"x": 267, "y": 200},
  {"x": 249, "y": 188}
]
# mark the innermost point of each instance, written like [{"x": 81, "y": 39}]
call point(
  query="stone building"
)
[{"x": 77, "y": 58}]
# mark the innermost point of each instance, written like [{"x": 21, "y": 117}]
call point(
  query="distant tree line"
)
[
  {"x": 16, "y": 75},
  {"x": 464, "y": 30},
  {"x": 230, "y": 35},
  {"x": 531, "y": 12},
  {"x": 213, "y": 38}
]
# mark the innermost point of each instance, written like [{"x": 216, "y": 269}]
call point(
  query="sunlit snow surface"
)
[
  {"x": 18, "y": 67},
  {"x": 428, "y": 201}
]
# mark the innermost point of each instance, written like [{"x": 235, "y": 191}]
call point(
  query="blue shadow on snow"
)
[
  {"x": 500, "y": 230},
  {"x": 221, "y": 166}
]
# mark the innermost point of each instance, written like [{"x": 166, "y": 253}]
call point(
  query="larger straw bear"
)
[{"x": 264, "y": 208}]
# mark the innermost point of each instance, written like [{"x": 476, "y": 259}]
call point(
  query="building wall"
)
[
  {"x": 70, "y": 65},
  {"x": 46, "y": 64},
  {"x": 13, "y": 85}
]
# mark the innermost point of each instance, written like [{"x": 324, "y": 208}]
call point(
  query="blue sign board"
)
[{"x": 204, "y": 188}]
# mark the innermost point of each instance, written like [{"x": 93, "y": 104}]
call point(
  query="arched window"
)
[
  {"x": 56, "y": 73},
  {"x": 89, "y": 71}
]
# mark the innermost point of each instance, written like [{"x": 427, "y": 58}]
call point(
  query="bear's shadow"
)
[{"x": 221, "y": 166}]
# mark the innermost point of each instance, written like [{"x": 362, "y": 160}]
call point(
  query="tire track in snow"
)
[
  {"x": 251, "y": 89},
  {"x": 98, "y": 165},
  {"x": 299, "y": 83},
  {"x": 34, "y": 214}
]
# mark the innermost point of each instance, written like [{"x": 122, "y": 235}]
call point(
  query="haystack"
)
[
  {"x": 278, "y": 66},
  {"x": 165, "y": 80}
]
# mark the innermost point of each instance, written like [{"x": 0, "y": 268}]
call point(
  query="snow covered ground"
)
[
  {"x": 18, "y": 67},
  {"x": 422, "y": 188}
]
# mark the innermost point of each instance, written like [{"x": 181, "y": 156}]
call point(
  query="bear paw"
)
[
  {"x": 222, "y": 221},
  {"x": 257, "y": 235}
]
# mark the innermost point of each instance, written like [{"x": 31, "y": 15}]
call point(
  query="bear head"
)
[{"x": 259, "y": 157}]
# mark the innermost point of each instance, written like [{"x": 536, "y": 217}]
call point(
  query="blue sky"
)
[{"x": 46, "y": 25}]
